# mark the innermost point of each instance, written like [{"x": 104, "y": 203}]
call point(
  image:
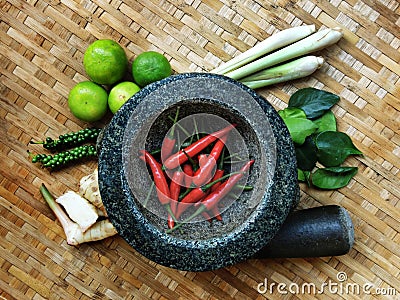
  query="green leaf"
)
[
  {"x": 306, "y": 155},
  {"x": 334, "y": 147},
  {"x": 304, "y": 176},
  {"x": 300, "y": 128},
  {"x": 292, "y": 112},
  {"x": 333, "y": 178},
  {"x": 327, "y": 122},
  {"x": 300, "y": 175},
  {"x": 313, "y": 102},
  {"x": 297, "y": 123}
]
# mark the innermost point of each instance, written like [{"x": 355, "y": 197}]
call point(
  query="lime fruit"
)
[
  {"x": 105, "y": 62},
  {"x": 88, "y": 101},
  {"x": 150, "y": 66},
  {"x": 120, "y": 93}
]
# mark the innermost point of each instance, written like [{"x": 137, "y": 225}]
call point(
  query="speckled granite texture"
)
[{"x": 250, "y": 223}]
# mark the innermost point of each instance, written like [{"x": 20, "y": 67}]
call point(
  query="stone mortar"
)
[{"x": 249, "y": 223}]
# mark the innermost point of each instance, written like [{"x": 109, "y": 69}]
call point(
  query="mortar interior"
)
[{"x": 243, "y": 143}]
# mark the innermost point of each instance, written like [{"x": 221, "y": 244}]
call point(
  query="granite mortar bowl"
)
[{"x": 249, "y": 222}]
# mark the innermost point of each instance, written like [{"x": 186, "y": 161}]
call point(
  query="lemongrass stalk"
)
[
  {"x": 275, "y": 41},
  {"x": 312, "y": 43},
  {"x": 299, "y": 68}
]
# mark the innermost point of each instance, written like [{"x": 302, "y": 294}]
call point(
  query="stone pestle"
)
[{"x": 313, "y": 232}]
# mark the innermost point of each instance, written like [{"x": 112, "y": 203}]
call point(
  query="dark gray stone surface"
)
[
  {"x": 249, "y": 223},
  {"x": 314, "y": 232}
]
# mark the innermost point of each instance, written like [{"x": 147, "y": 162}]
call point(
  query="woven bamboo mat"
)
[{"x": 41, "y": 50}]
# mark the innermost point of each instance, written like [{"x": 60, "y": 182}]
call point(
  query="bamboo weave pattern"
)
[{"x": 41, "y": 50}]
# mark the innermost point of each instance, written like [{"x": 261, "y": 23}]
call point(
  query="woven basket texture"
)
[{"x": 41, "y": 50}]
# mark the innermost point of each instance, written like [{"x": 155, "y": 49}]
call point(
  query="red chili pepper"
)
[
  {"x": 167, "y": 146},
  {"x": 216, "y": 213},
  {"x": 171, "y": 221},
  {"x": 194, "y": 196},
  {"x": 218, "y": 147},
  {"x": 188, "y": 170},
  {"x": 182, "y": 156},
  {"x": 160, "y": 181},
  {"x": 213, "y": 198},
  {"x": 207, "y": 163},
  {"x": 176, "y": 184},
  {"x": 175, "y": 189},
  {"x": 204, "y": 213},
  {"x": 169, "y": 141},
  {"x": 206, "y": 216},
  {"x": 218, "y": 174}
]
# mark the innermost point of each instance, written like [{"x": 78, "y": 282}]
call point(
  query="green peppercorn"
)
[
  {"x": 66, "y": 157},
  {"x": 70, "y": 140}
]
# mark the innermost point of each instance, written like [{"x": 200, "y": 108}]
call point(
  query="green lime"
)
[
  {"x": 105, "y": 62},
  {"x": 88, "y": 101},
  {"x": 149, "y": 67},
  {"x": 120, "y": 93}
]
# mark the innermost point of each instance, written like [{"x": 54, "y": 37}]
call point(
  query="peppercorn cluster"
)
[
  {"x": 68, "y": 148},
  {"x": 69, "y": 140}
]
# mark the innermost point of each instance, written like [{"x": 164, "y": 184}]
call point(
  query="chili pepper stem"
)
[
  {"x": 169, "y": 210},
  {"x": 232, "y": 156},
  {"x": 196, "y": 132},
  {"x": 244, "y": 187},
  {"x": 36, "y": 142},
  {"x": 208, "y": 185},
  {"x": 148, "y": 194},
  {"x": 30, "y": 154},
  {"x": 196, "y": 129},
  {"x": 234, "y": 161},
  {"x": 156, "y": 151},
  {"x": 175, "y": 120},
  {"x": 180, "y": 127},
  {"x": 233, "y": 195},
  {"x": 192, "y": 162},
  {"x": 188, "y": 190},
  {"x": 199, "y": 211},
  {"x": 222, "y": 159}
]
